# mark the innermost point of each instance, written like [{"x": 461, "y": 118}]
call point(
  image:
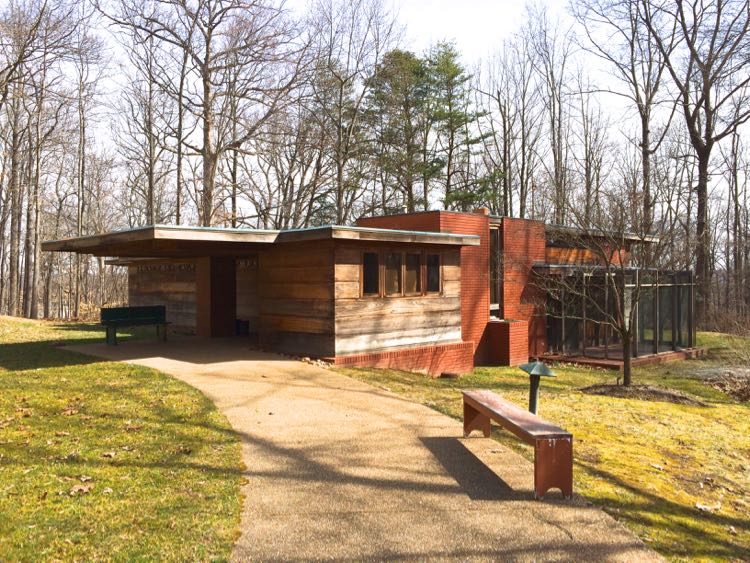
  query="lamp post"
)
[{"x": 536, "y": 370}]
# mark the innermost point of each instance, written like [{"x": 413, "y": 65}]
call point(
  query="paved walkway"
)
[{"x": 340, "y": 470}]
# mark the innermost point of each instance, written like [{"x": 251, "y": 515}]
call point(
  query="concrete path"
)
[{"x": 340, "y": 470}]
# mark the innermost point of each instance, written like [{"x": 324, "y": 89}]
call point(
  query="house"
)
[{"x": 434, "y": 291}]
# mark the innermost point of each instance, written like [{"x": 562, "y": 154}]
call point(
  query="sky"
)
[{"x": 477, "y": 27}]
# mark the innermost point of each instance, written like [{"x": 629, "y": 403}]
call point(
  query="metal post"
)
[
  {"x": 583, "y": 337},
  {"x": 635, "y": 330},
  {"x": 562, "y": 318},
  {"x": 534, "y": 393},
  {"x": 675, "y": 319},
  {"x": 606, "y": 315},
  {"x": 656, "y": 314},
  {"x": 691, "y": 310}
]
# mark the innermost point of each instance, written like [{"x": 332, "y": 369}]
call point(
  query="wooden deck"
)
[{"x": 614, "y": 361}]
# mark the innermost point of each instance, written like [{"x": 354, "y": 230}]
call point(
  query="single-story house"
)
[{"x": 434, "y": 291}]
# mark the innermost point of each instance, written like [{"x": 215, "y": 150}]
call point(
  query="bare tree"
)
[
  {"x": 705, "y": 53},
  {"x": 349, "y": 40},
  {"x": 552, "y": 52},
  {"x": 249, "y": 37},
  {"x": 614, "y": 33}
]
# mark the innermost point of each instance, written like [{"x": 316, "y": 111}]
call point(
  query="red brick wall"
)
[
  {"x": 435, "y": 360},
  {"x": 426, "y": 221},
  {"x": 475, "y": 274},
  {"x": 524, "y": 244},
  {"x": 508, "y": 342},
  {"x": 475, "y": 264}
]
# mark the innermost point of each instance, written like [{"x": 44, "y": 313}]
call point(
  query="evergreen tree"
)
[
  {"x": 455, "y": 119},
  {"x": 396, "y": 112}
]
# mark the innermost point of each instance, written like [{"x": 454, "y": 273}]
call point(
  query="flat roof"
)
[
  {"x": 583, "y": 233},
  {"x": 171, "y": 241}
]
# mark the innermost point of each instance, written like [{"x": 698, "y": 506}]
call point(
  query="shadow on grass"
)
[
  {"x": 22, "y": 356},
  {"x": 687, "y": 519},
  {"x": 40, "y": 354}
]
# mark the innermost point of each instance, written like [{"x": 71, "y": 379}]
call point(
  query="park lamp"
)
[{"x": 536, "y": 370}]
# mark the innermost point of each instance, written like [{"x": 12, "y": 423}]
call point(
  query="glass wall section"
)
[
  {"x": 496, "y": 274},
  {"x": 666, "y": 308},
  {"x": 646, "y": 302},
  {"x": 582, "y": 306}
]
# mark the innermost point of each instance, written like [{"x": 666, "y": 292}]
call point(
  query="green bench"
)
[{"x": 114, "y": 317}]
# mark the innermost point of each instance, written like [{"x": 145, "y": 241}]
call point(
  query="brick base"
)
[
  {"x": 508, "y": 342},
  {"x": 434, "y": 360}
]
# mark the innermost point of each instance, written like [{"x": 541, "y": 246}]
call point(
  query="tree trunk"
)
[
  {"x": 702, "y": 273},
  {"x": 627, "y": 353}
]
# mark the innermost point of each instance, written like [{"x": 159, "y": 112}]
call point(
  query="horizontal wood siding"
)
[
  {"x": 295, "y": 299},
  {"x": 375, "y": 324},
  {"x": 171, "y": 284}
]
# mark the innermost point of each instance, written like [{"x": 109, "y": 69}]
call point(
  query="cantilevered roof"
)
[
  {"x": 578, "y": 232},
  {"x": 168, "y": 241}
]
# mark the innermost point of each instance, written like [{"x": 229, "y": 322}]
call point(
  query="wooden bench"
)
[
  {"x": 553, "y": 446},
  {"x": 114, "y": 317}
]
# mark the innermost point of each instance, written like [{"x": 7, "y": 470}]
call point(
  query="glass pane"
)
[
  {"x": 665, "y": 318},
  {"x": 413, "y": 274},
  {"x": 370, "y": 273},
  {"x": 393, "y": 273},
  {"x": 495, "y": 275},
  {"x": 433, "y": 273}
]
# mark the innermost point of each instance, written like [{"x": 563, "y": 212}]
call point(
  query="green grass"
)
[
  {"x": 105, "y": 460},
  {"x": 647, "y": 463}
]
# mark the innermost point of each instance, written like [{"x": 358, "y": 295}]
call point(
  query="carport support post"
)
[{"x": 215, "y": 296}]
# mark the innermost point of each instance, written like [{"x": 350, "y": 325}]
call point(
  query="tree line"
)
[{"x": 240, "y": 113}]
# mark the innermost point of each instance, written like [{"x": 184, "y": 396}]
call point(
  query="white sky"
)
[{"x": 476, "y": 26}]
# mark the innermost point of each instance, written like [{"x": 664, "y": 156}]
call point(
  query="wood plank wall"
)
[
  {"x": 295, "y": 299},
  {"x": 376, "y": 324},
  {"x": 167, "y": 283}
]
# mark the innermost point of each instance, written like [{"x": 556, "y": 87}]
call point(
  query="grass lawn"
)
[
  {"x": 649, "y": 464},
  {"x": 104, "y": 460}
]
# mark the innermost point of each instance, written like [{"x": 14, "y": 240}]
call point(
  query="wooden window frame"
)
[
  {"x": 440, "y": 274},
  {"x": 362, "y": 294},
  {"x": 381, "y": 252}
]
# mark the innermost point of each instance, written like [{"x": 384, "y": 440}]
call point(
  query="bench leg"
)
[
  {"x": 112, "y": 335},
  {"x": 553, "y": 466},
  {"x": 475, "y": 420},
  {"x": 161, "y": 332}
]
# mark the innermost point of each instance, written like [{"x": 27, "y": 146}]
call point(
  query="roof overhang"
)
[
  {"x": 162, "y": 241},
  {"x": 577, "y": 233}
]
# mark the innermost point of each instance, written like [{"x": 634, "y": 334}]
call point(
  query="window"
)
[
  {"x": 433, "y": 273},
  {"x": 496, "y": 273},
  {"x": 393, "y": 273},
  {"x": 397, "y": 274},
  {"x": 413, "y": 274},
  {"x": 370, "y": 274}
]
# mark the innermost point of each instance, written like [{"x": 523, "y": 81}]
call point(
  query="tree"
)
[
  {"x": 454, "y": 118},
  {"x": 396, "y": 108},
  {"x": 247, "y": 38},
  {"x": 349, "y": 40},
  {"x": 614, "y": 33},
  {"x": 704, "y": 47},
  {"x": 511, "y": 127},
  {"x": 552, "y": 51}
]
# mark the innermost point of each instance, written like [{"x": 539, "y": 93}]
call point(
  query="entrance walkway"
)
[{"x": 340, "y": 470}]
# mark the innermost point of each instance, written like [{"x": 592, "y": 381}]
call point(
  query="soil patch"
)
[
  {"x": 645, "y": 393},
  {"x": 734, "y": 381}
]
